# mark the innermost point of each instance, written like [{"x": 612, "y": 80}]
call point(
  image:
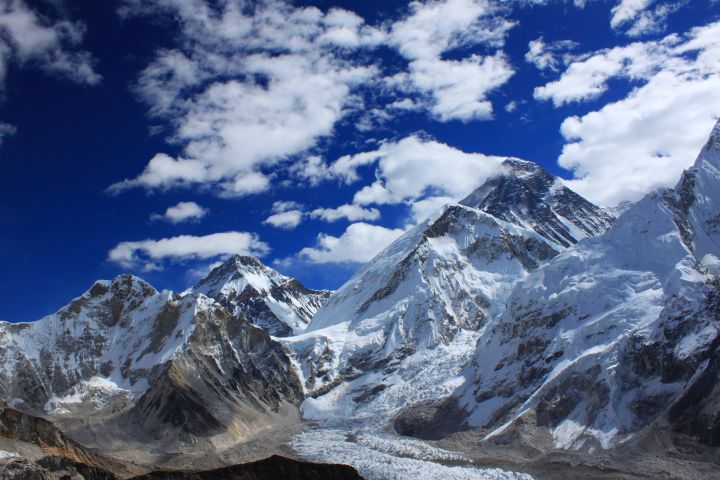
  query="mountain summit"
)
[
  {"x": 127, "y": 361},
  {"x": 617, "y": 334},
  {"x": 525, "y": 194},
  {"x": 437, "y": 285},
  {"x": 246, "y": 287}
]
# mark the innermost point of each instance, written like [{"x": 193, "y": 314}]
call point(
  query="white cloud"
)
[
  {"x": 287, "y": 215},
  {"x": 182, "y": 212},
  {"x": 641, "y": 17},
  {"x": 423, "y": 209},
  {"x": 631, "y": 17},
  {"x": 348, "y": 211},
  {"x": 646, "y": 139},
  {"x": 415, "y": 167},
  {"x": 358, "y": 244},
  {"x": 312, "y": 169},
  {"x": 548, "y": 56},
  {"x": 26, "y": 38},
  {"x": 286, "y": 205},
  {"x": 285, "y": 220},
  {"x": 457, "y": 89},
  {"x": 251, "y": 87},
  {"x": 248, "y": 88},
  {"x": 186, "y": 247},
  {"x": 6, "y": 130}
]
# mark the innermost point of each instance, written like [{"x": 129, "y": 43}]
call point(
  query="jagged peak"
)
[
  {"x": 122, "y": 284},
  {"x": 234, "y": 268},
  {"x": 521, "y": 168},
  {"x": 526, "y": 195},
  {"x": 245, "y": 260},
  {"x": 514, "y": 171}
]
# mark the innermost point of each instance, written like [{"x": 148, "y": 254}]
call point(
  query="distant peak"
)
[
  {"x": 235, "y": 267},
  {"x": 519, "y": 167},
  {"x": 123, "y": 284},
  {"x": 246, "y": 260},
  {"x": 517, "y": 175}
]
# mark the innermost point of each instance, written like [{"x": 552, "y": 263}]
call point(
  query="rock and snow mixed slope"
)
[
  {"x": 617, "y": 331},
  {"x": 177, "y": 368},
  {"x": 446, "y": 276},
  {"x": 248, "y": 288}
]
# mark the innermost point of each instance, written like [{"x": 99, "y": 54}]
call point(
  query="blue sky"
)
[{"x": 157, "y": 137}]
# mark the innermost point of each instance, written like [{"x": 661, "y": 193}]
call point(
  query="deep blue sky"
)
[{"x": 74, "y": 140}]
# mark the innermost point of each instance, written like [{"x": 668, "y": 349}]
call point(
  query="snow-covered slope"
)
[
  {"x": 617, "y": 331},
  {"x": 279, "y": 304},
  {"x": 448, "y": 275},
  {"x": 176, "y": 367}
]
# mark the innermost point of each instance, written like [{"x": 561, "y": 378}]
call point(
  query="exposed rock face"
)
[
  {"x": 529, "y": 196},
  {"x": 618, "y": 331},
  {"x": 448, "y": 275},
  {"x": 279, "y": 304},
  {"x": 173, "y": 368},
  {"x": 59, "y": 458},
  {"x": 275, "y": 467},
  {"x": 229, "y": 374}
]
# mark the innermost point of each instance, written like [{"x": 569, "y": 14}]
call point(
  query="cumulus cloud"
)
[
  {"x": 456, "y": 89},
  {"x": 549, "y": 56},
  {"x": 641, "y": 17},
  {"x": 646, "y": 139},
  {"x": 287, "y": 215},
  {"x": 416, "y": 167},
  {"x": 285, "y": 220},
  {"x": 348, "y": 211},
  {"x": 633, "y": 18},
  {"x": 29, "y": 39},
  {"x": 416, "y": 171},
  {"x": 182, "y": 212},
  {"x": 146, "y": 253},
  {"x": 358, "y": 244},
  {"x": 247, "y": 88}
]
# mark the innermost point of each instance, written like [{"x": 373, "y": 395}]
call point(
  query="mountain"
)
[
  {"x": 441, "y": 281},
  {"x": 271, "y": 468},
  {"x": 41, "y": 451},
  {"x": 279, "y": 304},
  {"x": 153, "y": 366},
  {"x": 47, "y": 453},
  {"x": 527, "y": 195},
  {"x": 617, "y": 334}
]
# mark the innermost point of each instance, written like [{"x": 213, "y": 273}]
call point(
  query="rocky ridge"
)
[
  {"x": 279, "y": 304},
  {"x": 617, "y": 333}
]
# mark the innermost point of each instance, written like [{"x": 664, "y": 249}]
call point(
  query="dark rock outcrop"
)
[{"x": 272, "y": 468}]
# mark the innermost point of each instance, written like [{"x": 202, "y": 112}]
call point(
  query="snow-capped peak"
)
[
  {"x": 280, "y": 304},
  {"x": 526, "y": 195},
  {"x": 605, "y": 338},
  {"x": 444, "y": 279}
]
